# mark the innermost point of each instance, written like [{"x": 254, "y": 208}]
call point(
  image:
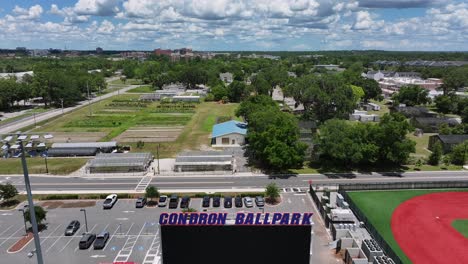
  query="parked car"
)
[
  {"x": 184, "y": 203},
  {"x": 248, "y": 202},
  {"x": 110, "y": 201},
  {"x": 140, "y": 202},
  {"x": 162, "y": 201},
  {"x": 101, "y": 240},
  {"x": 173, "y": 201},
  {"x": 86, "y": 240},
  {"x": 238, "y": 201},
  {"x": 206, "y": 201},
  {"x": 72, "y": 228},
  {"x": 260, "y": 201},
  {"x": 227, "y": 202},
  {"x": 217, "y": 201}
]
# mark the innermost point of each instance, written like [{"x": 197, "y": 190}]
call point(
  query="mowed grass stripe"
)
[{"x": 378, "y": 206}]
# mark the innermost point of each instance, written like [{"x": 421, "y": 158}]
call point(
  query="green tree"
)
[
  {"x": 411, "y": 95},
  {"x": 219, "y": 91},
  {"x": 273, "y": 138},
  {"x": 253, "y": 104},
  {"x": 237, "y": 91},
  {"x": 436, "y": 154},
  {"x": 8, "y": 191},
  {"x": 260, "y": 85},
  {"x": 358, "y": 92},
  {"x": 151, "y": 192},
  {"x": 445, "y": 104},
  {"x": 39, "y": 212},
  {"x": 371, "y": 88},
  {"x": 272, "y": 191},
  {"x": 455, "y": 78},
  {"x": 459, "y": 154}
]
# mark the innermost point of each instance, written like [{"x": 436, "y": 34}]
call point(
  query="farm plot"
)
[
  {"x": 150, "y": 134},
  {"x": 123, "y": 118}
]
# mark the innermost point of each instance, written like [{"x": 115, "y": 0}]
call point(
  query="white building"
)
[{"x": 231, "y": 133}]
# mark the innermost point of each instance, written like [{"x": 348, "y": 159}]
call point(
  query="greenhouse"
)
[
  {"x": 204, "y": 161},
  {"x": 120, "y": 163}
]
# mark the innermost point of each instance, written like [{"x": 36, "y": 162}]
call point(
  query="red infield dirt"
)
[{"x": 422, "y": 228}]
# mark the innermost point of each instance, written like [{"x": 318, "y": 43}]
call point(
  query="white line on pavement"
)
[
  {"x": 47, "y": 237},
  {"x": 110, "y": 239},
  {"x": 11, "y": 236},
  {"x": 105, "y": 229},
  {"x": 6, "y": 230}
]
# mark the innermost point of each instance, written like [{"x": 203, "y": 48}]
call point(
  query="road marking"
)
[
  {"x": 144, "y": 182},
  {"x": 162, "y": 183},
  {"x": 90, "y": 231},
  {"x": 71, "y": 238},
  {"x": 11, "y": 236},
  {"x": 126, "y": 251},
  {"x": 47, "y": 237},
  {"x": 6, "y": 230},
  {"x": 152, "y": 254}
]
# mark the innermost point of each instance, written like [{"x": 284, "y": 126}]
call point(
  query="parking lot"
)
[{"x": 134, "y": 233}]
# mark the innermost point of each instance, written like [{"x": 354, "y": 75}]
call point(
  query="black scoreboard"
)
[{"x": 236, "y": 244}]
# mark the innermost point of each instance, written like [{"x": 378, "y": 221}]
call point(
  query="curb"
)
[{"x": 30, "y": 237}]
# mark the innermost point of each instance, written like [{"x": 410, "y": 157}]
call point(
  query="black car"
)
[
  {"x": 238, "y": 201},
  {"x": 173, "y": 201},
  {"x": 185, "y": 202},
  {"x": 140, "y": 202},
  {"x": 227, "y": 202},
  {"x": 101, "y": 240},
  {"x": 72, "y": 228},
  {"x": 206, "y": 201},
  {"x": 217, "y": 201},
  {"x": 87, "y": 240}
]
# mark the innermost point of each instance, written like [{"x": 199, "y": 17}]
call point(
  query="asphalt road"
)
[
  {"x": 70, "y": 184},
  {"x": 31, "y": 120}
]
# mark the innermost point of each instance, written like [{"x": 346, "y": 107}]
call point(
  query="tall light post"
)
[
  {"x": 24, "y": 219},
  {"x": 85, "y": 219},
  {"x": 46, "y": 165},
  {"x": 32, "y": 211},
  {"x": 61, "y": 101}
]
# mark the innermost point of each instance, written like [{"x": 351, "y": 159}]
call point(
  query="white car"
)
[
  {"x": 248, "y": 202},
  {"x": 163, "y": 201},
  {"x": 110, "y": 201}
]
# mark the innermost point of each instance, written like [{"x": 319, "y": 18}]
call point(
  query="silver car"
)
[{"x": 248, "y": 202}]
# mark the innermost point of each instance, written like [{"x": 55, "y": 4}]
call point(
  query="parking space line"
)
[
  {"x": 77, "y": 232},
  {"x": 152, "y": 254},
  {"x": 76, "y": 249},
  {"x": 126, "y": 251},
  {"x": 6, "y": 230},
  {"x": 110, "y": 239},
  {"x": 47, "y": 237},
  {"x": 21, "y": 228}
]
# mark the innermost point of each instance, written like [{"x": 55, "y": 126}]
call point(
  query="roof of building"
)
[
  {"x": 121, "y": 160},
  {"x": 437, "y": 120},
  {"x": 72, "y": 152},
  {"x": 111, "y": 144},
  {"x": 229, "y": 127},
  {"x": 452, "y": 139}
]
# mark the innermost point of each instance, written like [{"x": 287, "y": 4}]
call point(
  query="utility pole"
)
[
  {"x": 61, "y": 100},
  {"x": 89, "y": 100},
  {"x": 46, "y": 166},
  {"x": 32, "y": 211},
  {"x": 34, "y": 115},
  {"x": 157, "y": 155}
]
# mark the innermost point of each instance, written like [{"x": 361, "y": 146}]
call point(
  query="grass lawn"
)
[
  {"x": 383, "y": 108},
  {"x": 26, "y": 114},
  {"x": 461, "y": 226},
  {"x": 142, "y": 89},
  {"x": 421, "y": 144},
  {"x": 59, "y": 166},
  {"x": 378, "y": 206},
  {"x": 196, "y": 132}
]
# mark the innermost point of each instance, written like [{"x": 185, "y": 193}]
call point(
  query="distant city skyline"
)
[{"x": 235, "y": 25}]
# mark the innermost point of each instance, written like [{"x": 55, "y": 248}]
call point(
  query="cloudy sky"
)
[{"x": 235, "y": 24}]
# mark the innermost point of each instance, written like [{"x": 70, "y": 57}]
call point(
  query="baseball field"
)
[{"x": 421, "y": 226}]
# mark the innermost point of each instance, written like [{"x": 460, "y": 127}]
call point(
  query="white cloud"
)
[
  {"x": 364, "y": 21},
  {"x": 106, "y": 27},
  {"x": 34, "y": 12},
  {"x": 97, "y": 7}
]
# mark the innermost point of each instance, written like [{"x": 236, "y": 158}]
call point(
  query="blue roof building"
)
[{"x": 230, "y": 133}]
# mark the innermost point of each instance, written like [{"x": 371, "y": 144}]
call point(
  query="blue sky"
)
[{"x": 235, "y": 24}]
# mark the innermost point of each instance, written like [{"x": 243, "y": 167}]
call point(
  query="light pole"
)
[
  {"x": 46, "y": 166},
  {"x": 32, "y": 211},
  {"x": 24, "y": 219},
  {"x": 34, "y": 115},
  {"x": 61, "y": 100},
  {"x": 85, "y": 219}
]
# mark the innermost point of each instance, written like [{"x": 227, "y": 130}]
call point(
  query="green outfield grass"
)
[
  {"x": 378, "y": 206},
  {"x": 461, "y": 226},
  {"x": 59, "y": 166},
  {"x": 142, "y": 89}
]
